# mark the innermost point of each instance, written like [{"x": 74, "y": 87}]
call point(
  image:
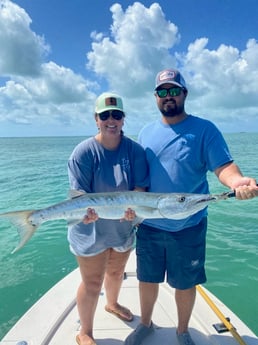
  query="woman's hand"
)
[
  {"x": 90, "y": 217},
  {"x": 129, "y": 215}
]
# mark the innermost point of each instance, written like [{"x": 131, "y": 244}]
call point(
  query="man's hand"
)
[
  {"x": 246, "y": 192},
  {"x": 245, "y": 188}
]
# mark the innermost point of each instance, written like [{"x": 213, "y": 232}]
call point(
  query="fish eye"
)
[{"x": 181, "y": 199}]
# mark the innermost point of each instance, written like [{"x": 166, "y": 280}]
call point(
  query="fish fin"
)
[
  {"x": 74, "y": 193},
  {"x": 24, "y": 228}
]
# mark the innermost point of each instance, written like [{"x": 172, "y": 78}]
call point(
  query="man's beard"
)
[{"x": 171, "y": 112}]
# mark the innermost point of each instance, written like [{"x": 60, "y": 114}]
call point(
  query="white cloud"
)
[
  {"x": 56, "y": 84},
  {"x": 222, "y": 82},
  {"x": 36, "y": 92},
  {"x": 137, "y": 48},
  {"x": 57, "y": 95},
  {"x": 21, "y": 49}
]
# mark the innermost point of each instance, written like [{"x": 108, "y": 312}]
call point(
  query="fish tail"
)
[{"x": 20, "y": 219}]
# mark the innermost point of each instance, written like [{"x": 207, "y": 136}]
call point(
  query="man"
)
[{"x": 181, "y": 149}]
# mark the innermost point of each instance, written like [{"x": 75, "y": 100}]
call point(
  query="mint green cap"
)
[{"x": 108, "y": 101}]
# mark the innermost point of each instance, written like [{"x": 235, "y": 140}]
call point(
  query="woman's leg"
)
[
  {"x": 92, "y": 272},
  {"x": 113, "y": 280}
]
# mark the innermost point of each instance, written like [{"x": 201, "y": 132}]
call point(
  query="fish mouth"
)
[{"x": 210, "y": 198}]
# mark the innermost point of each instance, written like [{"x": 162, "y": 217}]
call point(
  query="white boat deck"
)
[{"x": 54, "y": 319}]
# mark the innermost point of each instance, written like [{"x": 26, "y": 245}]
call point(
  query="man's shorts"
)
[{"x": 178, "y": 256}]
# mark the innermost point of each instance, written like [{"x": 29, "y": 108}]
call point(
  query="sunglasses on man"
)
[
  {"x": 116, "y": 114},
  {"x": 173, "y": 91}
]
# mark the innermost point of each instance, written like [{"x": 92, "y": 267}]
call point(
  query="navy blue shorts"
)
[{"x": 178, "y": 256}]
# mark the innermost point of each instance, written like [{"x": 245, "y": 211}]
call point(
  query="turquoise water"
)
[{"x": 33, "y": 175}]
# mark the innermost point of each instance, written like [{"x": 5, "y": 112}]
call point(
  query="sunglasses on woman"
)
[
  {"x": 173, "y": 91},
  {"x": 116, "y": 114}
]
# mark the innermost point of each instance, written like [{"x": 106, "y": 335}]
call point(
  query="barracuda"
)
[{"x": 112, "y": 206}]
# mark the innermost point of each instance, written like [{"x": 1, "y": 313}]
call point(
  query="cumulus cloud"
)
[
  {"x": 21, "y": 49},
  {"x": 138, "y": 45},
  {"x": 57, "y": 94},
  {"x": 56, "y": 84},
  {"x": 222, "y": 80},
  {"x": 36, "y": 91}
]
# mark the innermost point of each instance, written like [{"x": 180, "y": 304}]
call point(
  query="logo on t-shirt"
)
[{"x": 125, "y": 164}]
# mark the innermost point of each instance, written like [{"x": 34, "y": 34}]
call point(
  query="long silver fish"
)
[{"x": 112, "y": 206}]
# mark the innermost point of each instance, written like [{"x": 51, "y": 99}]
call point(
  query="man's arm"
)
[{"x": 230, "y": 175}]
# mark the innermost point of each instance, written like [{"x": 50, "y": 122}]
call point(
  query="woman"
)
[{"x": 107, "y": 162}]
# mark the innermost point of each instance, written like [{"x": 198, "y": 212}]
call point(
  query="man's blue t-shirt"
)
[{"x": 179, "y": 157}]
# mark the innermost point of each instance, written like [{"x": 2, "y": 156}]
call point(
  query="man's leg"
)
[
  {"x": 148, "y": 296},
  {"x": 185, "y": 301}
]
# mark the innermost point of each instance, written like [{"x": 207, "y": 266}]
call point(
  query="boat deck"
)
[{"x": 54, "y": 318}]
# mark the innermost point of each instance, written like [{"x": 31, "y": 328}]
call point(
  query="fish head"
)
[{"x": 183, "y": 205}]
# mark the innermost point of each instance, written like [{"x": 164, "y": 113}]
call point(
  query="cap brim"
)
[
  {"x": 168, "y": 82},
  {"x": 98, "y": 111}
]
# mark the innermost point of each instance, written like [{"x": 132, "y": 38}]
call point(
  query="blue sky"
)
[{"x": 57, "y": 56}]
